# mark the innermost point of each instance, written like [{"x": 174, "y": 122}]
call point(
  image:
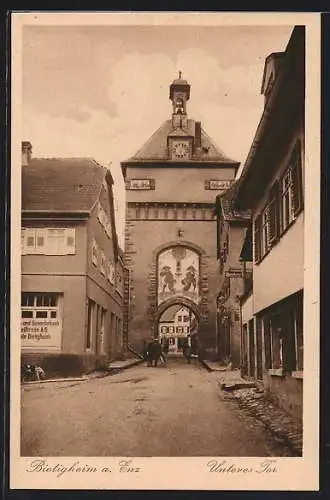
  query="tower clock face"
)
[{"x": 180, "y": 150}]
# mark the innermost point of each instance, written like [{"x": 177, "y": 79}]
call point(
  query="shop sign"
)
[
  {"x": 41, "y": 334},
  {"x": 217, "y": 185},
  {"x": 234, "y": 273},
  {"x": 140, "y": 184}
]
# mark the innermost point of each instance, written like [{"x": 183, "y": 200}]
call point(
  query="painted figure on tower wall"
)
[{"x": 178, "y": 274}]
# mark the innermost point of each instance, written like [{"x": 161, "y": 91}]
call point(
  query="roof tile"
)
[
  {"x": 71, "y": 184},
  {"x": 156, "y": 146}
]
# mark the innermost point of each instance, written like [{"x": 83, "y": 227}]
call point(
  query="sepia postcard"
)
[{"x": 165, "y": 187}]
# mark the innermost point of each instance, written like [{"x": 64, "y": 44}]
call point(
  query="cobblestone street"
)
[{"x": 174, "y": 411}]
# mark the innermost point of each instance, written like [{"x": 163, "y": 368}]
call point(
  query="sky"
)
[{"x": 101, "y": 91}]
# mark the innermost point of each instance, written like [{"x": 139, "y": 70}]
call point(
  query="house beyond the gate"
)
[
  {"x": 170, "y": 249},
  {"x": 72, "y": 272},
  {"x": 271, "y": 185}
]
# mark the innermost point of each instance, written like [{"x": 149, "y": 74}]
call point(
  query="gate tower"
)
[{"x": 170, "y": 236}]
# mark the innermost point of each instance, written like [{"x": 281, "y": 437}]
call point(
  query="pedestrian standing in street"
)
[
  {"x": 150, "y": 352},
  {"x": 165, "y": 348},
  {"x": 156, "y": 351},
  {"x": 194, "y": 345},
  {"x": 187, "y": 350},
  {"x": 145, "y": 350}
]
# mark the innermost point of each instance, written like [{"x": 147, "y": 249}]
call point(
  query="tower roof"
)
[{"x": 155, "y": 149}]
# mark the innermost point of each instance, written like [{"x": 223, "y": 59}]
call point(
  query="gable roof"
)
[
  {"x": 66, "y": 185},
  {"x": 271, "y": 67},
  {"x": 62, "y": 184},
  {"x": 284, "y": 106},
  {"x": 225, "y": 205},
  {"x": 155, "y": 149}
]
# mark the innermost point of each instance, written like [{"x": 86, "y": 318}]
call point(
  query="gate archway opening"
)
[{"x": 177, "y": 325}]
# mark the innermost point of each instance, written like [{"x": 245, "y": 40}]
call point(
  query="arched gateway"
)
[
  {"x": 175, "y": 322},
  {"x": 170, "y": 240}
]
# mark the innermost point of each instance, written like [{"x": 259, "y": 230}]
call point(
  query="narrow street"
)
[{"x": 173, "y": 411}]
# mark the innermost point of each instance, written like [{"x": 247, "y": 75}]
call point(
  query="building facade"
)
[
  {"x": 72, "y": 272},
  {"x": 170, "y": 250},
  {"x": 231, "y": 230},
  {"x": 176, "y": 325},
  {"x": 271, "y": 185}
]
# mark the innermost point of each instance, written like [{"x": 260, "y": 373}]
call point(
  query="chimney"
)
[
  {"x": 26, "y": 152},
  {"x": 198, "y": 136}
]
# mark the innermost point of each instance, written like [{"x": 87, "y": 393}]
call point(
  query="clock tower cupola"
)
[{"x": 179, "y": 95}]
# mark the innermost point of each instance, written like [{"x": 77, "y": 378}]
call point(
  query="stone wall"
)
[{"x": 286, "y": 392}]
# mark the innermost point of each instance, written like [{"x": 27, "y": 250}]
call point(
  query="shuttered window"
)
[
  {"x": 291, "y": 189},
  {"x": 257, "y": 239},
  {"x": 273, "y": 215},
  {"x": 297, "y": 187},
  {"x": 284, "y": 204},
  {"x": 48, "y": 241}
]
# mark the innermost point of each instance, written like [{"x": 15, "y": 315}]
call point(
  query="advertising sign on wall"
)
[
  {"x": 38, "y": 334},
  {"x": 217, "y": 185}
]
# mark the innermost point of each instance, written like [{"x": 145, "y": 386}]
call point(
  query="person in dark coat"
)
[
  {"x": 149, "y": 352},
  {"x": 165, "y": 347},
  {"x": 194, "y": 346},
  {"x": 156, "y": 352},
  {"x": 186, "y": 348},
  {"x": 145, "y": 351}
]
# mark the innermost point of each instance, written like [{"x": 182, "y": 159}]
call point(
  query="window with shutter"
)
[
  {"x": 286, "y": 192},
  {"x": 296, "y": 180},
  {"x": 70, "y": 243},
  {"x": 274, "y": 214},
  {"x": 30, "y": 239},
  {"x": 271, "y": 222},
  {"x": 257, "y": 242},
  {"x": 40, "y": 240},
  {"x": 291, "y": 189},
  {"x": 264, "y": 232}
]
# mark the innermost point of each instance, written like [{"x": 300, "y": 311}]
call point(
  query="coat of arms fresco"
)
[{"x": 178, "y": 274}]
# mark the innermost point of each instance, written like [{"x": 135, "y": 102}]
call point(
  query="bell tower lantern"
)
[{"x": 179, "y": 95}]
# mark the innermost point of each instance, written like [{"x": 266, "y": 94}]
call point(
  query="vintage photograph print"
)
[{"x": 165, "y": 251}]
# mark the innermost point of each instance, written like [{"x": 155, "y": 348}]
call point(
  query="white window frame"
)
[
  {"x": 287, "y": 199},
  {"x": 34, "y": 309},
  {"x": 51, "y": 245}
]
